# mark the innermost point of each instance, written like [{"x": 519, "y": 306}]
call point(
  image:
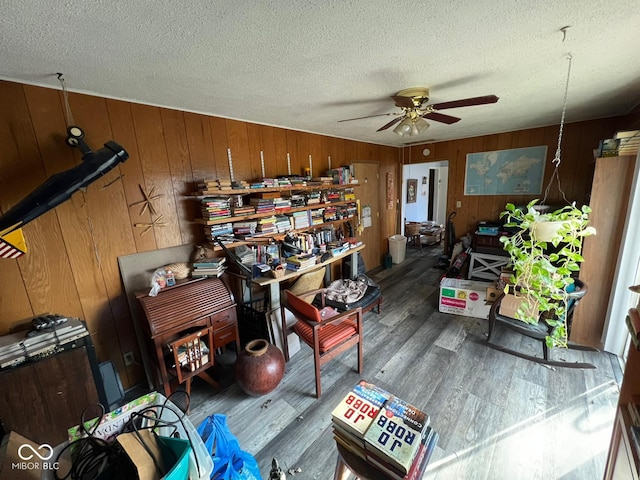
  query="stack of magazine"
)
[{"x": 385, "y": 431}]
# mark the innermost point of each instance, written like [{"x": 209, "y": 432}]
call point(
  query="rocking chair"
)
[{"x": 538, "y": 331}]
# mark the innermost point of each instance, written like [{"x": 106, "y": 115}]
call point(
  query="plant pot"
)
[
  {"x": 545, "y": 231},
  {"x": 259, "y": 368}
]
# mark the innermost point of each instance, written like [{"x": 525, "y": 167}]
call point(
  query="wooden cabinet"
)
[
  {"x": 203, "y": 308},
  {"x": 623, "y": 461},
  {"x": 41, "y": 400},
  {"x": 609, "y": 202}
]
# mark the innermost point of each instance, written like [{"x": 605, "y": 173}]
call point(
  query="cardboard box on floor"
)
[{"x": 464, "y": 297}]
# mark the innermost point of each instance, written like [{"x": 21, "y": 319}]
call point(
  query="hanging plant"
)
[{"x": 544, "y": 266}]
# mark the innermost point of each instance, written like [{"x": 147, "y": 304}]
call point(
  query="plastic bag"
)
[
  {"x": 158, "y": 281},
  {"x": 229, "y": 461}
]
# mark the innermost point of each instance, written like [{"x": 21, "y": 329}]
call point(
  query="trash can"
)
[{"x": 397, "y": 248}]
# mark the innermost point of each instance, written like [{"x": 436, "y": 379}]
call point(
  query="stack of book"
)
[
  {"x": 267, "y": 225},
  {"x": 313, "y": 198},
  {"x": 263, "y": 205},
  {"x": 299, "y": 219},
  {"x": 297, "y": 200},
  {"x": 385, "y": 431},
  {"x": 283, "y": 224},
  {"x": 628, "y": 142},
  {"x": 213, "y": 267},
  {"x": 210, "y": 185},
  {"x": 301, "y": 262},
  {"x": 241, "y": 210},
  {"x": 215, "y": 208},
  {"x": 221, "y": 229}
]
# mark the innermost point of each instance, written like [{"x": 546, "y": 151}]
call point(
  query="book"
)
[
  {"x": 419, "y": 465},
  {"x": 210, "y": 263},
  {"x": 396, "y": 433},
  {"x": 359, "y": 407}
]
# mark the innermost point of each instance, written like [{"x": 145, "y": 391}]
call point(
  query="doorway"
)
[{"x": 429, "y": 201}]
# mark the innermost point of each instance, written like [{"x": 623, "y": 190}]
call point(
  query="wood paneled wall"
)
[
  {"x": 576, "y": 167},
  {"x": 72, "y": 268}
]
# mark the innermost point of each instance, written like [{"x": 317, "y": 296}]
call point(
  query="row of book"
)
[
  {"x": 388, "y": 433},
  {"x": 341, "y": 175},
  {"x": 624, "y": 142}
]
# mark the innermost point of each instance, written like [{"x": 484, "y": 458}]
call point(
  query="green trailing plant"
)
[{"x": 543, "y": 270}]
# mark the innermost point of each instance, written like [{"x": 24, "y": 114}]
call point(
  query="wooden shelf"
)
[
  {"x": 297, "y": 188},
  {"x": 243, "y": 218},
  {"x": 278, "y": 235}
]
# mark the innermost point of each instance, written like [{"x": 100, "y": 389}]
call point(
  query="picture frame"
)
[{"x": 412, "y": 190}]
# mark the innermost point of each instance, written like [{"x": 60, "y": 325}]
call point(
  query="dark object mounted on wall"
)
[{"x": 60, "y": 187}]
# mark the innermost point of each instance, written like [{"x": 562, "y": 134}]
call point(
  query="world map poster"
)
[{"x": 518, "y": 171}]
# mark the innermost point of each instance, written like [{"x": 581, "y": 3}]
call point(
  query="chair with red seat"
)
[{"x": 327, "y": 331}]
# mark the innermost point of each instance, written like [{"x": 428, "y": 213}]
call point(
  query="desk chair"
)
[
  {"x": 538, "y": 331},
  {"x": 327, "y": 331}
]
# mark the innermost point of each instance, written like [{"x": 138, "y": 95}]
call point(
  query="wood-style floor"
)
[{"x": 498, "y": 416}]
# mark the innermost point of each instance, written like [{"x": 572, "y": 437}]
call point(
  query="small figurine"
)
[{"x": 276, "y": 472}]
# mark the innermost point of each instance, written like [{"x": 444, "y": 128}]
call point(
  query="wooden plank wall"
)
[
  {"x": 71, "y": 267},
  {"x": 576, "y": 168}
]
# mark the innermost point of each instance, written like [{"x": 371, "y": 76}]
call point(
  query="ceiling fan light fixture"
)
[
  {"x": 405, "y": 127},
  {"x": 419, "y": 125},
  {"x": 411, "y": 126}
]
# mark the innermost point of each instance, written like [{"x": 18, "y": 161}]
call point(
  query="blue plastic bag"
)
[{"x": 230, "y": 462}]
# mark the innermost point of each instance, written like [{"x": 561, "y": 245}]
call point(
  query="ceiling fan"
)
[{"x": 411, "y": 118}]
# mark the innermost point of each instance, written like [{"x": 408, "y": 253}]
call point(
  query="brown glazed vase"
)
[{"x": 259, "y": 368}]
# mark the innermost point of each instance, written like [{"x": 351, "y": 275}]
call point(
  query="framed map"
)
[{"x": 518, "y": 171}]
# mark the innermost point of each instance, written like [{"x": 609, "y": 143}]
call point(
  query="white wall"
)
[{"x": 418, "y": 211}]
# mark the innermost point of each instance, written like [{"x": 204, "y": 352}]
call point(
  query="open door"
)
[{"x": 368, "y": 193}]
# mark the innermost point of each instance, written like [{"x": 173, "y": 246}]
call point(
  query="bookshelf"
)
[
  {"x": 347, "y": 207},
  {"x": 623, "y": 461}
]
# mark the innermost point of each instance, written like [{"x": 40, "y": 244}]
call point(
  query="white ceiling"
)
[{"x": 306, "y": 64}]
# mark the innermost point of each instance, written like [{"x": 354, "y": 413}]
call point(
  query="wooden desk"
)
[
  {"x": 191, "y": 306},
  {"x": 274, "y": 286}
]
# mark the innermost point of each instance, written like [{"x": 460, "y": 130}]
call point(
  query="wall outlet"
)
[
  {"x": 458, "y": 204},
  {"x": 129, "y": 358}
]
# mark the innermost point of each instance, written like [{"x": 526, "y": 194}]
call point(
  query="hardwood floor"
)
[{"x": 498, "y": 416}]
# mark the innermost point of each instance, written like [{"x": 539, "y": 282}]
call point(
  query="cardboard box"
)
[
  {"x": 510, "y": 305},
  {"x": 464, "y": 297},
  {"x": 493, "y": 293}
]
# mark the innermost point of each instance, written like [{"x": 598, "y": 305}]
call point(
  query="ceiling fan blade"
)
[
  {"x": 441, "y": 117},
  {"x": 390, "y": 124},
  {"x": 369, "y": 116},
  {"x": 467, "y": 102},
  {"x": 406, "y": 102}
]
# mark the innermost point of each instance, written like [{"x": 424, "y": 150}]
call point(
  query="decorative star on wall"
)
[
  {"x": 149, "y": 226},
  {"x": 149, "y": 198}
]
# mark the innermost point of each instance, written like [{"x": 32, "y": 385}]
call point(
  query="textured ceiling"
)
[{"x": 307, "y": 64}]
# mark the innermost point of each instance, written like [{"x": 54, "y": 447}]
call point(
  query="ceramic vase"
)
[{"x": 259, "y": 368}]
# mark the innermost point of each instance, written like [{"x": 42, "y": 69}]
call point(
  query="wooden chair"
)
[
  {"x": 538, "y": 331},
  {"x": 412, "y": 232},
  {"x": 327, "y": 331},
  {"x": 193, "y": 354}
]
